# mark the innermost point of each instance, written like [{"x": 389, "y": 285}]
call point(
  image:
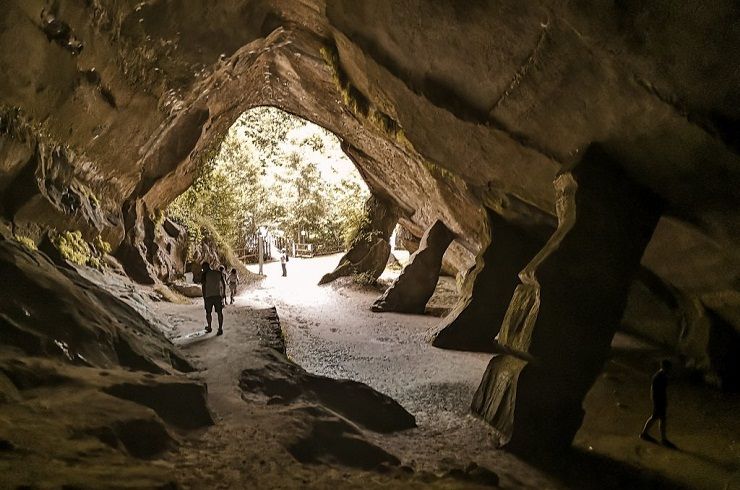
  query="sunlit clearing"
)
[{"x": 278, "y": 177}]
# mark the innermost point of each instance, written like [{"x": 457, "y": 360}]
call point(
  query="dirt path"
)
[{"x": 330, "y": 331}]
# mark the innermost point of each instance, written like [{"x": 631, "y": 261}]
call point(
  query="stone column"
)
[
  {"x": 369, "y": 251},
  {"x": 413, "y": 288},
  {"x": 559, "y": 326},
  {"x": 489, "y": 285},
  {"x": 133, "y": 252}
]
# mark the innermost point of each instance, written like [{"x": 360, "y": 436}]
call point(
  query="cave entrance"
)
[{"x": 276, "y": 183}]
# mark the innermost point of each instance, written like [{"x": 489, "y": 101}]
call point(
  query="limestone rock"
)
[{"x": 410, "y": 292}]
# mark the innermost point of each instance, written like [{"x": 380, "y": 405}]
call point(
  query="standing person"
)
[
  {"x": 213, "y": 287},
  {"x": 233, "y": 280},
  {"x": 283, "y": 262},
  {"x": 659, "y": 396},
  {"x": 222, "y": 270}
]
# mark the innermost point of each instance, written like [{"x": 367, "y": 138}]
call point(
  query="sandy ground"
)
[{"x": 331, "y": 331}]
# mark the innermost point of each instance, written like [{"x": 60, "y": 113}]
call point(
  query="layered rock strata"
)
[
  {"x": 487, "y": 289},
  {"x": 558, "y": 329},
  {"x": 412, "y": 289}
]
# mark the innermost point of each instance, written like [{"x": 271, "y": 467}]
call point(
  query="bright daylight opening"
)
[{"x": 277, "y": 183}]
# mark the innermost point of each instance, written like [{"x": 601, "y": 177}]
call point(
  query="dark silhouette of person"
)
[
  {"x": 659, "y": 396},
  {"x": 283, "y": 262},
  {"x": 233, "y": 280},
  {"x": 214, "y": 290}
]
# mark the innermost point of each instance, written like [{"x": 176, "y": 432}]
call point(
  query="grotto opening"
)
[{"x": 567, "y": 172}]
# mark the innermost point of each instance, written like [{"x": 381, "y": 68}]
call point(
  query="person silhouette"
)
[
  {"x": 659, "y": 396},
  {"x": 222, "y": 270},
  {"x": 233, "y": 280},
  {"x": 284, "y": 262},
  {"x": 213, "y": 287}
]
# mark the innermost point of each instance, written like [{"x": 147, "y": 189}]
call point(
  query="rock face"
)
[
  {"x": 82, "y": 368},
  {"x": 107, "y": 109},
  {"x": 410, "y": 292},
  {"x": 487, "y": 290},
  {"x": 700, "y": 329},
  {"x": 558, "y": 329},
  {"x": 284, "y": 382},
  {"x": 369, "y": 251},
  {"x": 60, "y": 314}
]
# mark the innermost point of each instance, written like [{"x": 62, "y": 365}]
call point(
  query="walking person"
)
[
  {"x": 659, "y": 396},
  {"x": 222, "y": 270},
  {"x": 233, "y": 280},
  {"x": 213, "y": 287},
  {"x": 284, "y": 262}
]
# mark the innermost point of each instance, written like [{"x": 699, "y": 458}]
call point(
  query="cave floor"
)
[{"x": 330, "y": 331}]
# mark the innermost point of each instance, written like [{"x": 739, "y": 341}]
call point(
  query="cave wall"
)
[
  {"x": 447, "y": 108},
  {"x": 141, "y": 93}
]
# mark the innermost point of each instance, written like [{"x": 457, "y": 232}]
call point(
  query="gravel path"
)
[{"x": 331, "y": 331}]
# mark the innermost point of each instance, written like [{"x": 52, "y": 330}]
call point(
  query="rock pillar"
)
[
  {"x": 559, "y": 326},
  {"x": 413, "y": 288},
  {"x": 369, "y": 251},
  {"x": 489, "y": 285},
  {"x": 132, "y": 252}
]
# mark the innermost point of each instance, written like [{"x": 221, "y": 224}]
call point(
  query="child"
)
[
  {"x": 659, "y": 395},
  {"x": 222, "y": 270},
  {"x": 233, "y": 281}
]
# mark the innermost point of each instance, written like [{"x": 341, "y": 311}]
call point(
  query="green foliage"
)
[
  {"x": 276, "y": 170},
  {"x": 72, "y": 247},
  {"x": 26, "y": 242},
  {"x": 101, "y": 245}
]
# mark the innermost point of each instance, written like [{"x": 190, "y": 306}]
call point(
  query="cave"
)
[{"x": 569, "y": 170}]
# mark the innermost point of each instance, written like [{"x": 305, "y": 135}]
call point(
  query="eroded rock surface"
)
[
  {"x": 447, "y": 108},
  {"x": 368, "y": 254},
  {"x": 487, "y": 290},
  {"x": 558, "y": 329},
  {"x": 410, "y": 292},
  {"x": 284, "y": 382},
  {"x": 89, "y": 388}
]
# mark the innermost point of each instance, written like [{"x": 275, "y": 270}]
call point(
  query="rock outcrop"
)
[
  {"x": 368, "y": 254},
  {"x": 83, "y": 371},
  {"x": 107, "y": 110},
  {"x": 558, "y": 329},
  {"x": 487, "y": 289},
  {"x": 412, "y": 289},
  {"x": 699, "y": 329}
]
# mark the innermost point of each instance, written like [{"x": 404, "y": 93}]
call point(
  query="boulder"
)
[
  {"x": 188, "y": 290},
  {"x": 368, "y": 254},
  {"x": 410, "y": 292}
]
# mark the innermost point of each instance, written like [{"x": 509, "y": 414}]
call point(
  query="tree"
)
[{"x": 274, "y": 169}]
